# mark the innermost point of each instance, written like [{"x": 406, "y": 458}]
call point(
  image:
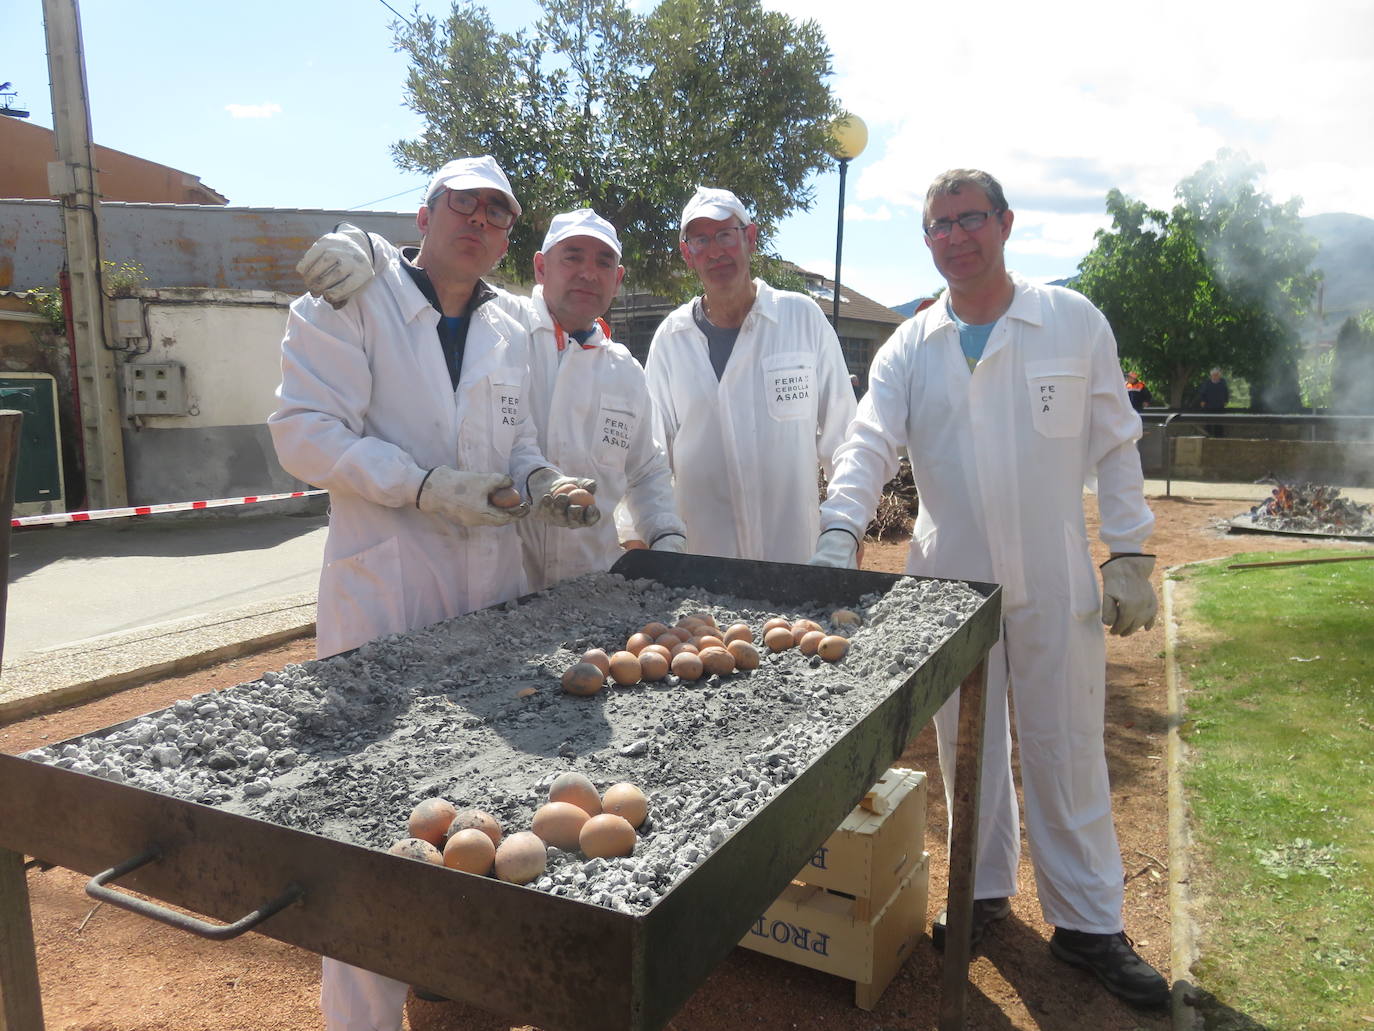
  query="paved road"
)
[{"x": 80, "y": 581}]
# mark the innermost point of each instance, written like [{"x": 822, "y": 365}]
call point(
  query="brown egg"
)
[
  {"x": 703, "y": 617},
  {"x": 626, "y": 800},
  {"x": 654, "y": 629},
  {"x": 683, "y": 646},
  {"x": 476, "y": 819},
  {"x": 470, "y": 851},
  {"x": 607, "y": 835},
  {"x": 558, "y": 823},
  {"x": 575, "y": 788},
  {"x": 778, "y": 639},
  {"x": 430, "y": 820},
  {"x": 671, "y": 637},
  {"x": 832, "y": 648},
  {"x": 811, "y": 640},
  {"x": 739, "y": 632},
  {"x": 707, "y": 641},
  {"x": 584, "y": 679},
  {"x": 746, "y": 656},
  {"x": 687, "y": 665},
  {"x": 599, "y": 659},
  {"x": 845, "y": 618},
  {"x": 526, "y": 692},
  {"x": 801, "y": 628},
  {"x": 418, "y": 849},
  {"x": 585, "y": 498},
  {"x": 625, "y": 668},
  {"x": 521, "y": 858},
  {"x": 653, "y": 665},
  {"x": 655, "y": 649},
  {"x": 717, "y": 661},
  {"x": 504, "y": 497},
  {"x": 636, "y": 643}
]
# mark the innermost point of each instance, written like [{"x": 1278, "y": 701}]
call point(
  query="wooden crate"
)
[
  {"x": 821, "y": 929},
  {"x": 875, "y": 849}
]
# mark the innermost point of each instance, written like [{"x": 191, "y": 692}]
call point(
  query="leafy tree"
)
[
  {"x": 1352, "y": 366},
  {"x": 1222, "y": 280},
  {"x": 599, "y": 106}
]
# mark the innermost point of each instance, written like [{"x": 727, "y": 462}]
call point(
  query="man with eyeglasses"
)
[
  {"x": 1009, "y": 398},
  {"x": 751, "y": 395},
  {"x": 410, "y": 405}
]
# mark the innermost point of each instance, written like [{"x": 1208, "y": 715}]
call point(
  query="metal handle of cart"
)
[{"x": 97, "y": 889}]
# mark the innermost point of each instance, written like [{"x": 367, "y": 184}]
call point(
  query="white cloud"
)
[
  {"x": 252, "y": 110},
  {"x": 855, "y": 213}
]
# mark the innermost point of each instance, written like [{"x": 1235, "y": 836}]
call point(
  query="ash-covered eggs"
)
[
  {"x": 476, "y": 819},
  {"x": 845, "y": 619},
  {"x": 418, "y": 849},
  {"x": 599, "y": 659},
  {"x": 833, "y": 648},
  {"x": 802, "y": 627},
  {"x": 504, "y": 497},
  {"x": 521, "y": 858},
  {"x": 717, "y": 661},
  {"x": 575, "y": 788},
  {"x": 583, "y": 679},
  {"x": 687, "y": 666},
  {"x": 625, "y": 668},
  {"x": 739, "y": 632},
  {"x": 559, "y": 824},
  {"x": 653, "y": 666},
  {"x": 810, "y": 641},
  {"x": 606, "y": 836},
  {"x": 430, "y": 820},
  {"x": 746, "y": 656},
  {"x": 778, "y": 639},
  {"x": 471, "y": 851},
  {"x": 626, "y": 800}
]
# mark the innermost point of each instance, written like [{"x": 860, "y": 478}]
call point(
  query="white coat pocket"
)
[
  {"x": 360, "y": 598},
  {"x": 507, "y": 408},
  {"x": 1058, "y": 395},
  {"x": 615, "y": 426},
  {"x": 789, "y": 384}
]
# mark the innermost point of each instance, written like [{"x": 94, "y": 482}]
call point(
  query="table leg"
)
[
  {"x": 21, "y": 1007},
  {"x": 963, "y": 843}
]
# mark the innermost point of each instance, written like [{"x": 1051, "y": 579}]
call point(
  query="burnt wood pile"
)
[{"x": 1312, "y": 508}]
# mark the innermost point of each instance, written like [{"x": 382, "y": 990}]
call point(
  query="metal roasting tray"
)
[
  {"x": 1244, "y": 524},
  {"x": 562, "y": 964}
]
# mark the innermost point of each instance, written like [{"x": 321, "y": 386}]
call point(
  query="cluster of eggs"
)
[
  {"x": 696, "y": 646},
  {"x": 575, "y": 818}
]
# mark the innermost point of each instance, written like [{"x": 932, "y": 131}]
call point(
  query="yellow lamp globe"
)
[{"x": 850, "y": 136}]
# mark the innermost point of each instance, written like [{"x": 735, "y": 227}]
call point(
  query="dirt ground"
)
[{"x": 103, "y": 969}]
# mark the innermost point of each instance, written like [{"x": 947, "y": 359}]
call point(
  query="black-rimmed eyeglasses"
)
[
  {"x": 725, "y": 239},
  {"x": 464, "y": 202},
  {"x": 968, "y": 221}
]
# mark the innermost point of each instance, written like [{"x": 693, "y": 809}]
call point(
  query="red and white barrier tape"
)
[{"x": 171, "y": 506}]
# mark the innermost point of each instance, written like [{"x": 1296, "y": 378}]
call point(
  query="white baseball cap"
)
[
  {"x": 472, "y": 174},
  {"x": 582, "y": 222},
  {"x": 709, "y": 202}
]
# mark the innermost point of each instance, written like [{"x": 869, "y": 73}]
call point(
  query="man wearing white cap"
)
[
  {"x": 751, "y": 395},
  {"x": 588, "y": 397},
  {"x": 411, "y": 407}
]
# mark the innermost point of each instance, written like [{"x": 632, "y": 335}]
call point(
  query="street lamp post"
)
[{"x": 850, "y": 136}]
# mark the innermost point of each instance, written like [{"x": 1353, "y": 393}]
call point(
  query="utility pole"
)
[{"x": 71, "y": 178}]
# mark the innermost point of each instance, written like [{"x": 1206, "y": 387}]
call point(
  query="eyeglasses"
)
[
  {"x": 725, "y": 239},
  {"x": 464, "y": 202},
  {"x": 969, "y": 222}
]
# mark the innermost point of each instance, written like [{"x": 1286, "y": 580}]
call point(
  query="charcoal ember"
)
[{"x": 1313, "y": 508}]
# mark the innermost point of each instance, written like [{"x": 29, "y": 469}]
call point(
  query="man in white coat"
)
[
  {"x": 1008, "y": 396},
  {"x": 751, "y": 395},
  {"x": 587, "y": 399},
  {"x": 411, "y": 407}
]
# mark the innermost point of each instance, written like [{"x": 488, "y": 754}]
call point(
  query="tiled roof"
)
[{"x": 853, "y": 305}]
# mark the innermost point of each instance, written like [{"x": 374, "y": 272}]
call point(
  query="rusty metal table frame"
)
[{"x": 347, "y": 891}]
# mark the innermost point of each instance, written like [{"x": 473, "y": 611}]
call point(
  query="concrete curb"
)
[
  {"x": 92, "y": 669},
  {"x": 1183, "y": 943}
]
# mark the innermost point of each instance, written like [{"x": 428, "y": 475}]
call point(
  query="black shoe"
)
[
  {"x": 1115, "y": 963},
  {"x": 985, "y": 911},
  {"x": 428, "y": 996}
]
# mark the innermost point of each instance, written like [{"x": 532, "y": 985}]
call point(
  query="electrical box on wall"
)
[
  {"x": 38, "y": 488},
  {"x": 155, "y": 388}
]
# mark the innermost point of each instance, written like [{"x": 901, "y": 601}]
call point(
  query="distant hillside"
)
[{"x": 1346, "y": 259}]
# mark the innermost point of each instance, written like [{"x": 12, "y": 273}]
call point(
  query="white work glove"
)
[
  {"x": 554, "y": 508},
  {"x": 1128, "y": 597},
  {"x": 464, "y": 498},
  {"x": 338, "y": 264},
  {"x": 836, "y": 548},
  {"x": 673, "y": 542}
]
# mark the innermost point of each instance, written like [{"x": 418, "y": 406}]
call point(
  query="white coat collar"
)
[
  {"x": 765, "y": 306},
  {"x": 1027, "y": 305}
]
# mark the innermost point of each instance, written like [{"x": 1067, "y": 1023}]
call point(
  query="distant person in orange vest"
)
[{"x": 1137, "y": 391}]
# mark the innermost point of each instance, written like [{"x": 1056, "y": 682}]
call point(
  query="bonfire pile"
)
[{"x": 1313, "y": 508}]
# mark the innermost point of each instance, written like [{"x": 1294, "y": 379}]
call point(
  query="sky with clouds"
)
[{"x": 296, "y": 104}]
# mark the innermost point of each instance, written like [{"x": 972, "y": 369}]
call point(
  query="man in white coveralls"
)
[
  {"x": 751, "y": 395},
  {"x": 1008, "y": 396},
  {"x": 410, "y": 405}
]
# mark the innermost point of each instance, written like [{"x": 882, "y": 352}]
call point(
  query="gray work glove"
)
[
  {"x": 1128, "y": 597},
  {"x": 555, "y": 508},
  {"x": 339, "y": 264},
  {"x": 838, "y": 548},
  {"x": 673, "y": 542},
  {"x": 464, "y": 498}
]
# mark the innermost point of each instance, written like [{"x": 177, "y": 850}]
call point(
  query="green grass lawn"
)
[{"x": 1278, "y": 680}]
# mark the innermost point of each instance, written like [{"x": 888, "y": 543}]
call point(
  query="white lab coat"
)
[
  {"x": 745, "y": 449},
  {"x": 591, "y": 409},
  {"x": 366, "y": 406},
  {"x": 1000, "y": 457}
]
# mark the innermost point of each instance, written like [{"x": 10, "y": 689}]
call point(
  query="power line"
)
[
  {"x": 365, "y": 203},
  {"x": 398, "y": 14}
]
